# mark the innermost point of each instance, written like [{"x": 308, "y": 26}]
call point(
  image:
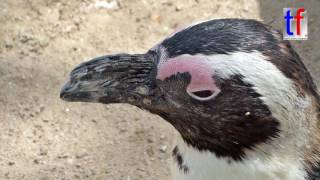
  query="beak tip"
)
[
  {"x": 62, "y": 95},
  {"x": 71, "y": 94},
  {"x": 65, "y": 91}
]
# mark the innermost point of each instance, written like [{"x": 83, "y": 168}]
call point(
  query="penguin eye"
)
[{"x": 203, "y": 95}]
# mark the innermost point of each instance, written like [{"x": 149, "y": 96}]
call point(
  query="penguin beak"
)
[{"x": 111, "y": 79}]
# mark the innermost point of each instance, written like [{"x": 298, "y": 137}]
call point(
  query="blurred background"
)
[{"x": 42, "y": 137}]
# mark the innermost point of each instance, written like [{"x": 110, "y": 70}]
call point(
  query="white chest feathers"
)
[{"x": 195, "y": 165}]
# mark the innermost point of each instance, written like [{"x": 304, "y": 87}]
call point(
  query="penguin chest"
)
[{"x": 191, "y": 164}]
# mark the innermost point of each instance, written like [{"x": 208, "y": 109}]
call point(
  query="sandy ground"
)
[{"x": 42, "y": 137}]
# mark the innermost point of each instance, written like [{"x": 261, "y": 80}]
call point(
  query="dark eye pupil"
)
[{"x": 203, "y": 94}]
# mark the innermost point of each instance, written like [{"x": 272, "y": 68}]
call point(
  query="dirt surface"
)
[{"x": 42, "y": 137}]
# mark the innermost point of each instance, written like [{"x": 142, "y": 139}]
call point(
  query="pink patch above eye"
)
[{"x": 198, "y": 67}]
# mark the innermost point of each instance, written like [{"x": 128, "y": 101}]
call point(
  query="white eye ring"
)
[{"x": 204, "y": 95}]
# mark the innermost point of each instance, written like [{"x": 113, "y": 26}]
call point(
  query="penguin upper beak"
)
[{"x": 111, "y": 79}]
